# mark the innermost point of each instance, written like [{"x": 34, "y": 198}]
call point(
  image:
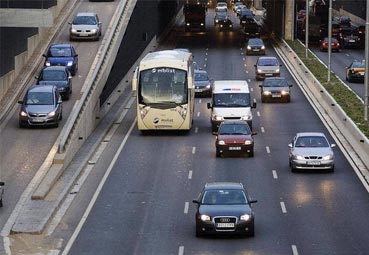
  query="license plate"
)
[
  {"x": 234, "y": 148},
  {"x": 38, "y": 120},
  {"x": 361, "y": 73},
  {"x": 225, "y": 225},
  {"x": 83, "y": 34},
  {"x": 313, "y": 163},
  {"x": 198, "y": 90},
  {"x": 255, "y": 50},
  {"x": 351, "y": 40},
  {"x": 276, "y": 95}
]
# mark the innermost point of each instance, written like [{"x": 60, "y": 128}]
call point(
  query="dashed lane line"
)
[
  {"x": 181, "y": 250},
  {"x": 190, "y": 174},
  {"x": 275, "y": 176},
  {"x": 283, "y": 207},
  {"x": 262, "y": 130},
  {"x": 196, "y": 130},
  {"x": 193, "y": 150},
  {"x": 258, "y": 114},
  {"x": 267, "y": 149},
  {"x": 198, "y": 114},
  {"x": 294, "y": 250},
  {"x": 187, "y": 204}
]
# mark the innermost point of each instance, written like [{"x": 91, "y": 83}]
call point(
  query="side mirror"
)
[
  {"x": 20, "y": 102},
  {"x": 100, "y": 22},
  {"x": 70, "y": 23},
  {"x": 254, "y": 65},
  {"x": 195, "y": 201},
  {"x": 44, "y": 55},
  {"x": 260, "y": 86},
  {"x": 254, "y": 133},
  {"x": 75, "y": 55},
  {"x": 333, "y": 145},
  {"x": 290, "y": 85},
  {"x": 290, "y": 145},
  {"x": 253, "y": 105},
  {"x": 209, "y": 106},
  {"x": 253, "y": 201}
]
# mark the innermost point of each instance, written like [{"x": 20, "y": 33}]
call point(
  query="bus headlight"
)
[
  {"x": 143, "y": 111},
  {"x": 183, "y": 112}
]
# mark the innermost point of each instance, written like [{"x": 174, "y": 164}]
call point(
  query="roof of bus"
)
[
  {"x": 166, "y": 58},
  {"x": 231, "y": 86}
]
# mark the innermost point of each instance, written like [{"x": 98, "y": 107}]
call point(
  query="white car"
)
[
  {"x": 85, "y": 25},
  {"x": 311, "y": 151},
  {"x": 221, "y": 7}
]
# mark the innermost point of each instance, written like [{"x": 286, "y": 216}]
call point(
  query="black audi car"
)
[{"x": 224, "y": 208}]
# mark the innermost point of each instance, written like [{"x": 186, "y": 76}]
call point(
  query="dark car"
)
[
  {"x": 62, "y": 55},
  {"x": 245, "y": 16},
  {"x": 234, "y": 137},
  {"x": 335, "y": 45},
  {"x": 275, "y": 88},
  {"x": 255, "y": 46},
  {"x": 250, "y": 29},
  {"x": 225, "y": 25},
  {"x": 344, "y": 21},
  {"x": 360, "y": 31},
  {"x": 349, "y": 38},
  {"x": 41, "y": 106},
  {"x": 202, "y": 83},
  {"x": 355, "y": 71},
  {"x": 58, "y": 76},
  {"x": 219, "y": 17},
  {"x": 224, "y": 208},
  {"x": 336, "y": 28},
  {"x": 267, "y": 66}
]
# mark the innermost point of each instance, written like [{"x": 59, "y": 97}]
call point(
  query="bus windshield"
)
[{"x": 162, "y": 85}]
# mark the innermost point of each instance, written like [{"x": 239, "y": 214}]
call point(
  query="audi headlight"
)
[
  {"x": 267, "y": 93},
  {"x": 298, "y": 157},
  {"x": 73, "y": 30},
  {"x": 23, "y": 113},
  {"x": 328, "y": 157},
  {"x": 277, "y": 70},
  {"x": 221, "y": 142},
  {"x": 263, "y": 47},
  {"x": 70, "y": 63},
  {"x": 204, "y": 217},
  {"x": 47, "y": 63},
  {"x": 183, "y": 112},
  {"x": 249, "y": 47},
  {"x": 51, "y": 114},
  {"x": 248, "y": 142},
  {"x": 245, "y": 217},
  {"x": 260, "y": 71}
]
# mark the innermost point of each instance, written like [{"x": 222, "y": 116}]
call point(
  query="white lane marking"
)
[
  {"x": 193, "y": 150},
  {"x": 204, "y": 65},
  {"x": 262, "y": 130},
  {"x": 190, "y": 174},
  {"x": 240, "y": 48},
  {"x": 244, "y": 65},
  {"x": 196, "y": 130},
  {"x": 294, "y": 250},
  {"x": 97, "y": 192},
  {"x": 249, "y": 80},
  {"x": 187, "y": 204},
  {"x": 275, "y": 176},
  {"x": 243, "y": 59},
  {"x": 200, "y": 101},
  {"x": 247, "y": 71},
  {"x": 206, "y": 59},
  {"x": 255, "y": 102},
  {"x": 7, "y": 245},
  {"x": 347, "y": 55},
  {"x": 258, "y": 114},
  {"x": 181, "y": 250},
  {"x": 206, "y": 53},
  {"x": 251, "y": 89},
  {"x": 267, "y": 149},
  {"x": 283, "y": 206},
  {"x": 198, "y": 114}
]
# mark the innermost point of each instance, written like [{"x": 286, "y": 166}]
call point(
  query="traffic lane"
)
[
  {"x": 339, "y": 62},
  {"x": 24, "y": 150}
]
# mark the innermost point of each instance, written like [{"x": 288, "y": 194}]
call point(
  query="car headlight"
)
[
  {"x": 283, "y": 92},
  {"x": 70, "y": 63},
  {"x": 221, "y": 142},
  {"x": 51, "y": 114},
  {"x": 328, "y": 157},
  {"x": 245, "y": 217},
  {"x": 208, "y": 86},
  {"x": 187, "y": 24},
  {"x": 263, "y": 47},
  {"x": 267, "y": 93},
  {"x": 47, "y": 63},
  {"x": 249, "y": 47},
  {"x": 73, "y": 30},
  {"x": 221, "y": 25},
  {"x": 202, "y": 24},
  {"x": 94, "y": 31},
  {"x": 298, "y": 157},
  {"x": 246, "y": 117},
  {"x": 248, "y": 142},
  {"x": 23, "y": 113},
  {"x": 230, "y": 25},
  {"x": 204, "y": 217},
  {"x": 217, "y": 118},
  {"x": 277, "y": 70},
  {"x": 259, "y": 70},
  {"x": 216, "y": 21}
]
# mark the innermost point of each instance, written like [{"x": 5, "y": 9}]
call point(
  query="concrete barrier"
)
[{"x": 348, "y": 135}]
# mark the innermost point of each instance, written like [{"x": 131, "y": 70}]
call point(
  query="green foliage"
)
[{"x": 346, "y": 98}]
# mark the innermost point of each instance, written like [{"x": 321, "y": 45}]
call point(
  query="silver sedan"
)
[{"x": 311, "y": 151}]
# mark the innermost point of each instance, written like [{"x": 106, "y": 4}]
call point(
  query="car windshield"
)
[
  {"x": 221, "y": 15},
  {"x": 311, "y": 141},
  {"x": 52, "y": 75},
  {"x": 231, "y": 100},
  {"x": 358, "y": 65},
  {"x": 275, "y": 83},
  {"x": 234, "y": 129},
  {"x": 255, "y": 42},
  {"x": 201, "y": 76},
  {"x": 224, "y": 197},
  {"x": 60, "y": 52},
  {"x": 84, "y": 20},
  {"x": 39, "y": 98},
  {"x": 268, "y": 62}
]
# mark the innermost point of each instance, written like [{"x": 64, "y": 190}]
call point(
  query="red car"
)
[
  {"x": 234, "y": 137},
  {"x": 324, "y": 44}
]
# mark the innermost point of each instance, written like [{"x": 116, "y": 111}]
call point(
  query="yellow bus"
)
[{"x": 163, "y": 83}]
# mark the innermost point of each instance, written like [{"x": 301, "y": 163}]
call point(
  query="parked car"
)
[
  {"x": 335, "y": 45},
  {"x": 311, "y": 151},
  {"x": 62, "y": 55},
  {"x": 41, "y": 106},
  {"x": 355, "y": 71},
  {"x": 224, "y": 208},
  {"x": 275, "y": 88},
  {"x": 85, "y": 25},
  {"x": 255, "y": 46},
  {"x": 234, "y": 137},
  {"x": 267, "y": 66},
  {"x": 58, "y": 76},
  {"x": 202, "y": 83}
]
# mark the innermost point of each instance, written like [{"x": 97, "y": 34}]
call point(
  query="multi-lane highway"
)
[
  {"x": 22, "y": 151},
  {"x": 144, "y": 205}
]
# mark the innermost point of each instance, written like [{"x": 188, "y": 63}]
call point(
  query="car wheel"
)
[
  {"x": 61, "y": 116},
  {"x": 332, "y": 169},
  {"x": 199, "y": 233},
  {"x": 21, "y": 125},
  {"x": 1, "y": 203},
  {"x": 217, "y": 153},
  {"x": 349, "y": 79},
  {"x": 293, "y": 169},
  {"x": 251, "y": 233},
  {"x": 56, "y": 124},
  {"x": 66, "y": 97},
  {"x": 251, "y": 153},
  {"x": 263, "y": 100},
  {"x": 288, "y": 99}
]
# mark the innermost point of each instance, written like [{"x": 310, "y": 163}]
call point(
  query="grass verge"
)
[{"x": 346, "y": 98}]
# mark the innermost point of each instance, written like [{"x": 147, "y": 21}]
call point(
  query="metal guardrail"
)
[{"x": 91, "y": 83}]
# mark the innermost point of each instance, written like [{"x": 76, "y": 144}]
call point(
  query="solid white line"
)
[
  {"x": 97, "y": 192},
  {"x": 196, "y": 130},
  {"x": 262, "y": 130},
  {"x": 198, "y": 114},
  {"x": 190, "y": 174},
  {"x": 267, "y": 149},
  {"x": 193, "y": 150},
  {"x": 283, "y": 206},
  {"x": 181, "y": 250},
  {"x": 294, "y": 250},
  {"x": 275, "y": 176},
  {"x": 347, "y": 55},
  {"x": 186, "y": 207},
  {"x": 258, "y": 114},
  {"x": 200, "y": 101}
]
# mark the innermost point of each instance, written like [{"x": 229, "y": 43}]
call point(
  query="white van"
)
[{"x": 230, "y": 100}]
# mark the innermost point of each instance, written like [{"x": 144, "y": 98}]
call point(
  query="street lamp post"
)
[
  {"x": 366, "y": 76},
  {"x": 306, "y": 28},
  {"x": 329, "y": 40}
]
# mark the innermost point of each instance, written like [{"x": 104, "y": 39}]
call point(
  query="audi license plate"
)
[
  {"x": 351, "y": 40},
  {"x": 277, "y": 95},
  {"x": 198, "y": 90},
  {"x": 38, "y": 120},
  {"x": 313, "y": 163},
  {"x": 225, "y": 225},
  {"x": 255, "y": 50},
  {"x": 234, "y": 148}
]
